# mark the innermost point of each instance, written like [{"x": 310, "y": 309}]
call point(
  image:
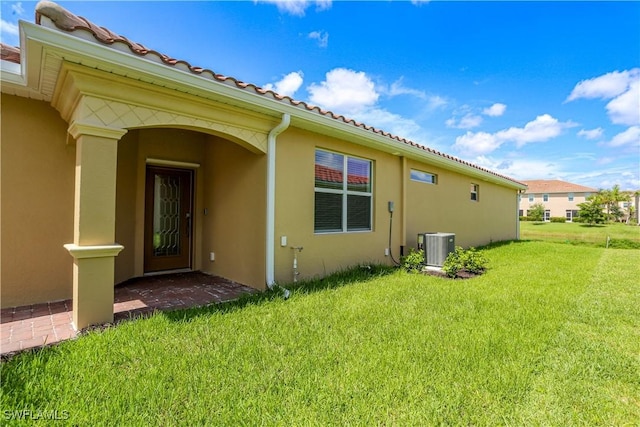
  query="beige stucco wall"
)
[
  {"x": 558, "y": 203},
  {"x": 295, "y": 198},
  {"x": 447, "y": 207},
  {"x": 234, "y": 226},
  {"x": 37, "y": 190},
  {"x": 229, "y": 206}
]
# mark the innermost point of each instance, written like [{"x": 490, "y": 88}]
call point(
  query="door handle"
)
[{"x": 188, "y": 231}]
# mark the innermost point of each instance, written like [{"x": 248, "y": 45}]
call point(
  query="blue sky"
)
[{"x": 532, "y": 90}]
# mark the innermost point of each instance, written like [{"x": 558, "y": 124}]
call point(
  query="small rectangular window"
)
[
  {"x": 425, "y": 177},
  {"x": 545, "y": 197},
  {"x": 531, "y": 198},
  {"x": 475, "y": 192},
  {"x": 571, "y": 197}
]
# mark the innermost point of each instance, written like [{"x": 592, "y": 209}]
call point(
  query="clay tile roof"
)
[
  {"x": 9, "y": 53},
  {"x": 67, "y": 21},
  {"x": 326, "y": 174},
  {"x": 556, "y": 186}
]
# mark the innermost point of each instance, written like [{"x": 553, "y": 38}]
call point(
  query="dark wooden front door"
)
[{"x": 168, "y": 219}]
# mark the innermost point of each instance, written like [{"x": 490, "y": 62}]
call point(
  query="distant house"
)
[
  {"x": 119, "y": 161},
  {"x": 560, "y": 198},
  {"x": 629, "y": 207}
]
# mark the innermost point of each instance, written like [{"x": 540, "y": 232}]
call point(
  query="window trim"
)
[
  {"x": 545, "y": 197},
  {"x": 570, "y": 197},
  {"x": 475, "y": 191},
  {"x": 532, "y": 198},
  {"x": 345, "y": 192},
  {"x": 434, "y": 177}
]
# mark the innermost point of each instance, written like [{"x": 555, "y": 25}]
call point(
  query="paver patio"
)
[{"x": 37, "y": 325}]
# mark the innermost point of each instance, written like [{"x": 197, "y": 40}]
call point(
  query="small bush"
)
[
  {"x": 526, "y": 218},
  {"x": 413, "y": 262},
  {"x": 459, "y": 260},
  {"x": 578, "y": 220},
  {"x": 558, "y": 219}
]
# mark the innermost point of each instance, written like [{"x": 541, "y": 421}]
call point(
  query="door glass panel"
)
[{"x": 166, "y": 215}]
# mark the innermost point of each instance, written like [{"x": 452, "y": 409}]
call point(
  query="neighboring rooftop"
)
[
  {"x": 66, "y": 21},
  {"x": 556, "y": 186}
]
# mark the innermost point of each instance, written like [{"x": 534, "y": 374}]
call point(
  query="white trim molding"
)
[{"x": 93, "y": 251}]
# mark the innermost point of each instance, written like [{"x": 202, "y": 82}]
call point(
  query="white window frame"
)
[
  {"x": 422, "y": 176},
  {"x": 475, "y": 192},
  {"x": 545, "y": 197},
  {"x": 345, "y": 192},
  {"x": 570, "y": 197},
  {"x": 532, "y": 198}
]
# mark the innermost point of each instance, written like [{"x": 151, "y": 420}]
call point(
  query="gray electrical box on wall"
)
[{"x": 436, "y": 247}]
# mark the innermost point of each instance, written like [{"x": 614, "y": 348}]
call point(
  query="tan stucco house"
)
[
  {"x": 118, "y": 161},
  {"x": 560, "y": 198}
]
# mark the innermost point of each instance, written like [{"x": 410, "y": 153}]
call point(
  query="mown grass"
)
[
  {"x": 550, "y": 335},
  {"x": 621, "y": 236}
]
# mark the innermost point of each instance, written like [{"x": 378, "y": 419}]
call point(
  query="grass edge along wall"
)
[{"x": 444, "y": 206}]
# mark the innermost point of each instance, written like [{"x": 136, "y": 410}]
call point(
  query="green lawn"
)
[
  {"x": 549, "y": 335},
  {"x": 621, "y": 236}
]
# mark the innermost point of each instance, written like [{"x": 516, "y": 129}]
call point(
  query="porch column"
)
[{"x": 93, "y": 247}]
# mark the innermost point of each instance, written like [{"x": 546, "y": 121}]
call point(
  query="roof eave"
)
[{"x": 40, "y": 40}]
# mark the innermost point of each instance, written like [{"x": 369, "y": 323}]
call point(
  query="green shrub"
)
[
  {"x": 460, "y": 260},
  {"x": 558, "y": 219},
  {"x": 578, "y": 220},
  {"x": 413, "y": 262}
]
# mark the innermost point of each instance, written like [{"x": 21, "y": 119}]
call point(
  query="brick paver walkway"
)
[{"x": 42, "y": 324}]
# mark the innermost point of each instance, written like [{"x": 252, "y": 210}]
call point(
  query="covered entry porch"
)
[{"x": 121, "y": 143}]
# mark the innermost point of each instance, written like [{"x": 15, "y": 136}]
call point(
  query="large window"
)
[{"x": 343, "y": 201}]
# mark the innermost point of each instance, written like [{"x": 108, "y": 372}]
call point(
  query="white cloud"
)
[
  {"x": 436, "y": 101},
  {"x": 495, "y": 110},
  {"x": 344, "y": 91},
  {"x": 321, "y": 36},
  {"x": 8, "y": 28},
  {"x": 297, "y": 7},
  {"x": 541, "y": 129},
  {"x": 397, "y": 88},
  {"x": 477, "y": 143},
  {"x": 591, "y": 134},
  {"x": 528, "y": 168},
  {"x": 521, "y": 169},
  {"x": 625, "y": 109},
  {"x": 433, "y": 101},
  {"x": 630, "y": 137},
  {"x": 288, "y": 85},
  {"x": 17, "y": 8},
  {"x": 622, "y": 87},
  {"x": 606, "y": 86},
  {"x": 468, "y": 121}
]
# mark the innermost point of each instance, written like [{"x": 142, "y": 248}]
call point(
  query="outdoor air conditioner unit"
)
[{"x": 436, "y": 247}]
